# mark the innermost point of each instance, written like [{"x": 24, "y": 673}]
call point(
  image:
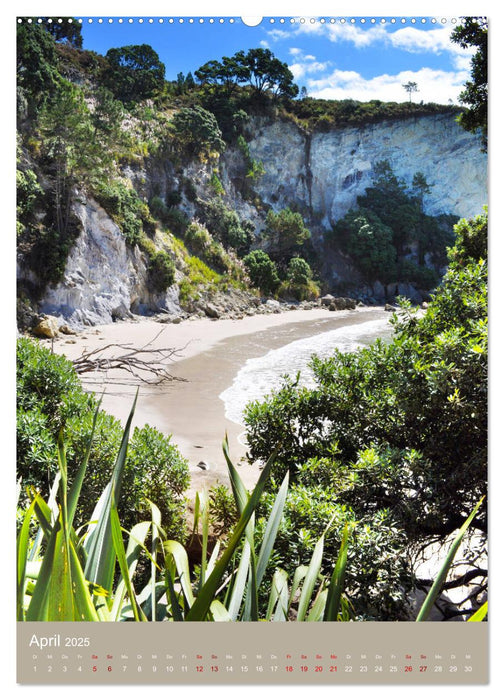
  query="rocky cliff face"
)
[
  {"x": 324, "y": 173},
  {"x": 321, "y": 175},
  {"x": 104, "y": 278}
]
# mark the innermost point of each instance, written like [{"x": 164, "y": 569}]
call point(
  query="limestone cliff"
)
[
  {"x": 104, "y": 278},
  {"x": 324, "y": 173},
  {"x": 319, "y": 174}
]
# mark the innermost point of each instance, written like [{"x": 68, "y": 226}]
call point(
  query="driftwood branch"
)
[
  {"x": 146, "y": 364},
  {"x": 463, "y": 580}
]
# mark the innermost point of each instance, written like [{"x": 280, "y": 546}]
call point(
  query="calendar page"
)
[{"x": 252, "y": 350}]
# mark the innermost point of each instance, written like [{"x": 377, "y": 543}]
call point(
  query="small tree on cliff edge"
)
[{"x": 410, "y": 88}]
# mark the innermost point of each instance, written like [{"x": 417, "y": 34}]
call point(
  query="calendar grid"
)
[{"x": 235, "y": 653}]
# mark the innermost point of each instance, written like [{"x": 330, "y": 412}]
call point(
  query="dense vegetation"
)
[
  {"x": 396, "y": 431},
  {"x": 50, "y": 399},
  {"x": 389, "y": 237},
  {"x": 474, "y": 32},
  {"x": 390, "y": 444}
]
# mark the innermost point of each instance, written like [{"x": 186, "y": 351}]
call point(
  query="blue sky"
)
[{"x": 335, "y": 58}]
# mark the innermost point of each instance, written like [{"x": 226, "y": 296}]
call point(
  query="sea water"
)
[{"x": 262, "y": 375}]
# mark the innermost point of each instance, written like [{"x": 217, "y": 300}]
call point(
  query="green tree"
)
[
  {"x": 106, "y": 117},
  {"x": 262, "y": 271},
  {"x": 299, "y": 272},
  {"x": 473, "y": 32},
  {"x": 37, "y": 73},
  {"x": 73, "y": 147},
  {"x": 268, "y": 74},
  {"x": 420, "y": 188},
  {"x": 64, "y": 29},
  {"x": 197, "y": 131},
  {"x": 225, "y": 74},
  {"x": 161, "y": 271},
  {"x": 135, "y": 72},
  {"x": 369, "y": 242},
  {"x": 184, "y": 83},
  {"x": 258, "y": 67},
  {"x": 285, "y": 231},
  {"x": 410, "y": 88},
  {"x": 401, "y": 209},
  {"x": 226, "y": 226}
]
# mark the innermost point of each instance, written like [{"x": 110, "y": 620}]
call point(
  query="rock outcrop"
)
[
  {"x": 323, "y": 173},
  {"x": 104, "y": 279}
]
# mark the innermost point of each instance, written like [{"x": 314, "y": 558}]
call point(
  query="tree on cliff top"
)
[
  {"x": 64, "y": 29},
  {"x": 258, "y": 67},
  {"x": 410, "y": 87},
  {"x": 135, "y": 72}
]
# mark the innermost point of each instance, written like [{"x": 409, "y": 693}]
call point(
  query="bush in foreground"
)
[{"x": 50, "y": 398}]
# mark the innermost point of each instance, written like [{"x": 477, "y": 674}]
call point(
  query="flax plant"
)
[{"x": 88, "y": 574}]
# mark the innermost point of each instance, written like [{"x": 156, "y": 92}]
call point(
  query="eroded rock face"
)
[
  {"x": 325, "y": 173},
  {"x": 104, "y": 279}
]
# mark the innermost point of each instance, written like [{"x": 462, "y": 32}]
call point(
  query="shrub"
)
[
  {"x": 285, "y": 231},
  {"x": 161, "y": 271},
  {"x": 125, "y": 207},
  {"x": 262, "y": 271},
  {"x": 158, "y": 208},
  {"x": 197, "y": 237},
  {"x": 299, "y": 272},
  {"x": 425, "y": 391},
  {"x": 48, "y": 383},
  {"x": 28, "y": 191},
  {"x": 197, "y": 131},
  {"x": 225, "y": 226},
  {"x": 369, "y": 243},
  {"x": 50, "y": 398},
  {"x": 155, "y": 470},
  {"x": 377, "y": 571},
  {"x": 216, "y": 185}
]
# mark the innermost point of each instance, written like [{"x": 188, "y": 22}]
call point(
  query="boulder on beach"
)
[
  {"x": 338, "y": 303},
  {"x": 47, "y": 327},
  {"x": 212, "y": 311}
]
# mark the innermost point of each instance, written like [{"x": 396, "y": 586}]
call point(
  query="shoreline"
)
[{"x": 210, "y": 355}]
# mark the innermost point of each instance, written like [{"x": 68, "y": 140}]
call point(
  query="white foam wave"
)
[{"x": 261, "y": 375}]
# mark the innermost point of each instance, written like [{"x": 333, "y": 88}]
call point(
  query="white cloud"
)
[
  {"x": 356, "y": 35},
  {"x": 264, "y": 44},
  {"x": 406, "y": 38},
  {"x": 277, "y": 34},
  {"x": 299, "y": 70},
  {"x": 433, "y": 85},
  {"x": 427, "y": 41},
  {"x": 305, "y": 64}
]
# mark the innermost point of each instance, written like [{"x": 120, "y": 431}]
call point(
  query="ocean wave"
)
[{"x": 261, "y": 375}]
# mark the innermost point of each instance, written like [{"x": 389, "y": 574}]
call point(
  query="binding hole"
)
[{"x": 251, "y": 21}]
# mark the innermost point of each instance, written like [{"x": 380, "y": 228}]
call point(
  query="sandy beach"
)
[{"x": 209, "y": 355}]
